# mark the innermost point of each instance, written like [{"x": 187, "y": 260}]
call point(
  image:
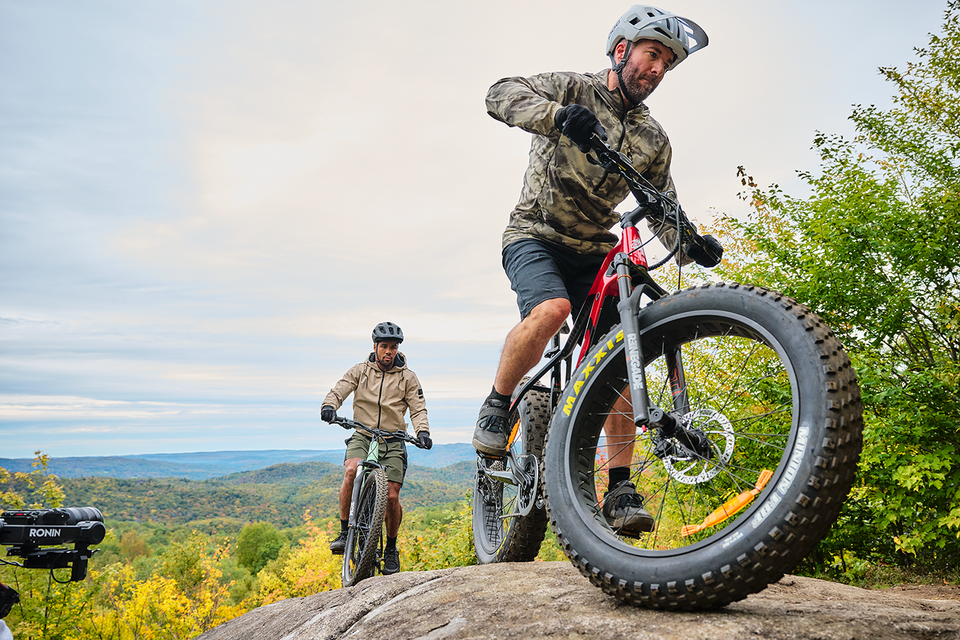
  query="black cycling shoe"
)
[
  {"x": 623, "y": 510},
  {"x": 391, "y": 561},
  {"x": 339, "y": 544},
  {"x": 493, "y": 428}
]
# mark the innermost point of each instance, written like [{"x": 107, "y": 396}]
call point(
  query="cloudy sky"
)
[{"x": 205, "y": 207}]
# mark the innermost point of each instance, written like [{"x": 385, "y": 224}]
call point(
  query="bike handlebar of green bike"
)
[{"x": 382, "y": 434}]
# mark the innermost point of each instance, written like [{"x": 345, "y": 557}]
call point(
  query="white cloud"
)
[{"x": 206, "y": 207}]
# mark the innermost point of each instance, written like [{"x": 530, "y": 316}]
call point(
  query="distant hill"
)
[
  {"x": 213, "y": 464},
  {"x": 279, "y": 494}
]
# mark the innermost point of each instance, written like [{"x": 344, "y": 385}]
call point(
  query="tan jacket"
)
[
  {"x": 381, "y": 398},
  {"x": 566, "y": 199}
]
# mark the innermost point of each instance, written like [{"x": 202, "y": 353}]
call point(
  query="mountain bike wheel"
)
[
  {"x": 360, "y": 555},
  {"x": 500, "y": 534},
  {"x": 773, "y": 422}
]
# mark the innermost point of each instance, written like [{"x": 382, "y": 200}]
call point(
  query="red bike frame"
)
[{"x": 605, "y": 285}]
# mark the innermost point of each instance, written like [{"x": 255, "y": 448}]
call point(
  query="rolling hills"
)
[{"x": 213, "y": 464}]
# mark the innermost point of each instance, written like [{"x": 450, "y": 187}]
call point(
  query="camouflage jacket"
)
[
  {"x": 566, "y": 199},
  {"x": 381, "y": 398}
]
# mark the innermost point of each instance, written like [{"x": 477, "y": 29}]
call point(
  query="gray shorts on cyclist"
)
[{"x": 539, "y": 270}]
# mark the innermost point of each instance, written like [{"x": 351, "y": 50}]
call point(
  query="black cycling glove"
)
[
  {"x": 425, "y": 440},
  {"x": 328, "y": 413},
  {"x": 578, "y": 123},
  {"x": 706, "y": 253}
]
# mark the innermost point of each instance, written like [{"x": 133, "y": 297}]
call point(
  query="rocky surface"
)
[{"x": 550, "y": 599}]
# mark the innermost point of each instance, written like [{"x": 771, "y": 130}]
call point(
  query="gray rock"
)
[{"x": 551, "y": 599}]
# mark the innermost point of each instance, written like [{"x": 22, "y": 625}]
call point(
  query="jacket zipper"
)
[{"x": 383, "y": 377}]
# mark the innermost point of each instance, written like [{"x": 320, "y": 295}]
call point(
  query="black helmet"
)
[{"x": 387, "y": 331}]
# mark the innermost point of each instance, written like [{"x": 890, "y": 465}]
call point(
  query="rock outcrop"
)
[{"x": 552, "y": 600}]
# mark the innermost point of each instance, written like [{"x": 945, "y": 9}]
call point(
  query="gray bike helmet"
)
[
  {"x": 387, "y": 331},
  {"x": 643, "y": 22}
]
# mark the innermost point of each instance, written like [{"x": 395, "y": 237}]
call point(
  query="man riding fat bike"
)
[
  {"x": 383, "y": 389},
  {"x": 558, "y": 233}
]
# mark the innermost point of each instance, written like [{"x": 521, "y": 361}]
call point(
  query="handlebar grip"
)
[
  {"x": 346, "y": 423},
  {"x": 706, "y": 250}
]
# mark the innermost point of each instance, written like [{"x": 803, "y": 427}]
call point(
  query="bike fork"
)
[
  {"x": 643, "y": 413},
  {"x": 355, "y": 495}
]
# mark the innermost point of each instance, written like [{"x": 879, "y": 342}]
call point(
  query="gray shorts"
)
[
  {"x": 539, "y": 270},
  {"x": 393, "y": 455}
]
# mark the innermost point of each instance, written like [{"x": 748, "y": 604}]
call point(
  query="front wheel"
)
[
  {"x": 508, "y": 526},
  {"x": 360, "y": 554},
  {"x": 770, "y": 433}
]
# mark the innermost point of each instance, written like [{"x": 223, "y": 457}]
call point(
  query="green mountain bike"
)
[{"x": 363, "y": 555}]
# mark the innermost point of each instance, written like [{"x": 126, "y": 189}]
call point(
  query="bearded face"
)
[{"x": 647, "y": 62}]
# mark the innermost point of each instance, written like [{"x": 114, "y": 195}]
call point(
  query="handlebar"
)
[
  {"x": 380, "y": 434},
  {"x": 649, "y": 200}
]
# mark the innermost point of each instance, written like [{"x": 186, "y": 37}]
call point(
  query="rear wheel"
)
[
  {"x": 771, "y": 430},
  {"x": 508, "y": 526},
  {"x": 360, "y": 555}
]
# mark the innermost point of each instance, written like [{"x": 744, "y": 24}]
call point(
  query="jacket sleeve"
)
[
  {"x": 344, "y": 387},
  {"x": 416, "y": 404},
  {"x": 531, "y": 103}
]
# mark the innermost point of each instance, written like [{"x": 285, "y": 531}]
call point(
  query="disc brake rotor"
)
[{"x": 687, "y": 467}]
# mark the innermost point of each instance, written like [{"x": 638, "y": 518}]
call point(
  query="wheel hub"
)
[{"x": 695, "y": 456}]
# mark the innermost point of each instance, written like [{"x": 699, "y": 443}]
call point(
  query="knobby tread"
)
[
  {"x": 368, "y": 555},
  {"x": 808, "y": 518},
  {"x": 525, "y": 534},
  {"x": 523, "y": 544}
]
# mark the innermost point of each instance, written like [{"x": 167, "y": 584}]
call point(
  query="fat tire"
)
[
  {"x": 360, "y": 554},
  {"x": 520, "y": 540},
  {"x": 755, "y": 547}
]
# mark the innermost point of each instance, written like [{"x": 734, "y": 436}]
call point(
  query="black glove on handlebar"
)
[
  {"x": 706, "y": 253},
  {"x": 578, "y": 123},
  {"x": 328, "y": 413},
  {"x": 425, "y": 440}
]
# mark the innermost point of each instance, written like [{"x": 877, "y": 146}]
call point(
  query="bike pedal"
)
[{"x": 489, "y": 459}]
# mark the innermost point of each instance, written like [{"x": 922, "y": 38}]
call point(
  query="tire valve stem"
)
[{"x": 730, "y": 507}]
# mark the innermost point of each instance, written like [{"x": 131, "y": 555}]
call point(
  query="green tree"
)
[
  {"x": 258, "y": 544},
  {"x": 305, "y": 569},
  {"x": 17, "y": 487},
  {"x": 874, "y": 250},
  {"x": 132, "y": 546},
  {"x": 49, "y": 604},
  {"x": 189, "y": 597}
]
